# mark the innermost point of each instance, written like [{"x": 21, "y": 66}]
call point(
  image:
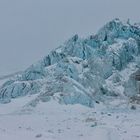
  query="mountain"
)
[{"x": 99, "y": 68}]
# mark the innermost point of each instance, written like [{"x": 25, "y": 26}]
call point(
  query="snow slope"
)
[{"x": 52, "y": 121}]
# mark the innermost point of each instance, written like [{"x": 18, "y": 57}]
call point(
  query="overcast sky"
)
[{"x": 29, "y": 29}]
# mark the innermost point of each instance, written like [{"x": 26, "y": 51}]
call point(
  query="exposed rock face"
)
[
  {"x": 135, "y": 99},
  {"x": 136, "y": 77},
  {"x": 83, "y": 70}
]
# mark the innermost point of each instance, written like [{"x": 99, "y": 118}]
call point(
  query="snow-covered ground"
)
[{"x": 52, "y": 121}]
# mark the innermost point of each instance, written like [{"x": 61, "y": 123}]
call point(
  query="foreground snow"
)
[{"x": 52, "y": 121}]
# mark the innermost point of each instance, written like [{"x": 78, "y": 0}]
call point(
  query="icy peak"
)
[
  {"x": 74, "y": 38},
  {"x": 80, "y": 69}
]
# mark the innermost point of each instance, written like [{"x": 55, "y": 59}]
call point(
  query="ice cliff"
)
[{"x": 83, "y": 70}]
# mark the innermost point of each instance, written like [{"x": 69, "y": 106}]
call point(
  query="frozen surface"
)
[
  {"x": 53, "y": 121},
  {"x": 83, "y": 90},
  {"x": 83, "y": 70}
]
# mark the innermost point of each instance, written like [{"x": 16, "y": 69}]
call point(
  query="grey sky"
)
[{"x": 29, "y": 29}]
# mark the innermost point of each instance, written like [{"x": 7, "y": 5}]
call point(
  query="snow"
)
[
  {"x": 53, "y": 121},
  {"x": 46, "y": 100},
  {"x": 2, "y": 82}
]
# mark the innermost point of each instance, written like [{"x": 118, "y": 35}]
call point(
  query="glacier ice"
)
[{"x": 82, "y": 70}]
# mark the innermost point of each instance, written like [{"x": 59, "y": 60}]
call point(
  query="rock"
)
[{"x": 38, "y": 136}]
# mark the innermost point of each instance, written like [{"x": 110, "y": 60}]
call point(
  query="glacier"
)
[{"x": 83, "y": 70}]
